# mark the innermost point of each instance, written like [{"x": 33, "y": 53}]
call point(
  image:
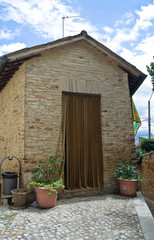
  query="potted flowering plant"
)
[
  {"x": 46, "y": 181},
  {"x": 127, "y": 176}
]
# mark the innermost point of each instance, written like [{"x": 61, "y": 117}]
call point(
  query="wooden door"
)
[{"x": 83, "y": 145}]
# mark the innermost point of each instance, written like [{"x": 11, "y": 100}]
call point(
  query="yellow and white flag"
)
[{"x": 136, "y": 119}]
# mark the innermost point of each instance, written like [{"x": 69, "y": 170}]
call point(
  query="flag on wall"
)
[{"x": 136, "y": 119}]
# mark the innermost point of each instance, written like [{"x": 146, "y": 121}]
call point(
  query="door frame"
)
[{"x": 64, "y": 139}]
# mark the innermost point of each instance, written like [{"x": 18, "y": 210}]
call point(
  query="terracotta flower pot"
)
[
  {"x": 127, "y": 187},
  {"x": 19, "y": 197},
  {"x": 45, "y": 201}
]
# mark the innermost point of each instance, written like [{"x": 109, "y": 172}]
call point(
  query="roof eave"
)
[
  {"x": 141, "y": 78},
  {"x": 63, "y": 41},
  {"x": 26, "y": 53},
  {"x": 3, "y": 61}
]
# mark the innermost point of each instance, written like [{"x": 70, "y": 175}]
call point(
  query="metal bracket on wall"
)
[{"x": 10, "y": 159}]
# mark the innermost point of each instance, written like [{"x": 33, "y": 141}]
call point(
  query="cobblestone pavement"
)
[{"x": 106, "y": 217}]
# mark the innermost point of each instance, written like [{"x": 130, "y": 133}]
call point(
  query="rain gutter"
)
[{"x": 3, "y": 60}]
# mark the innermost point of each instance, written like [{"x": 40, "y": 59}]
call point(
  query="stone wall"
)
[
  {"x": 147, "y": 187},
  {"x": 81, "y": 68},
  {"x": 31, "y": 106},
  {"x": 12, "y": 122},
  {"x": 12, "y": 119}
]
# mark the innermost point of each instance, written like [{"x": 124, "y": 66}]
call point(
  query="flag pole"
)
[
  {"x": 149, "y": 117},
  {"x": 149, "y": 120}
]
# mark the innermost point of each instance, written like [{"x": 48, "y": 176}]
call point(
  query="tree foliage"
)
[
  {"x": 150, "y": 70},
  {"x": 147, "y": 145}
]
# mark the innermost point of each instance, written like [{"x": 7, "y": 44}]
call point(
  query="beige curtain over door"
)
[{"x": 82, "y": 141}]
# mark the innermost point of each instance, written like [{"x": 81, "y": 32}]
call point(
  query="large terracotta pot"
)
[
  {"x": 45, "y": 201},
  {"x": 127, "y": 187}
]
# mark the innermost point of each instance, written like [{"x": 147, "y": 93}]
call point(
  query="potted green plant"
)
[
  {"x": 46, "y": 181},
  {"x": 127, "y": 176}
]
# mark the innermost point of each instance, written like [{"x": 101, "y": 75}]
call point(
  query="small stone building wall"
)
[
  {"x": 77, "y": 68},
  {"x": 36, "y": 105},
  {"x": 147, "y": 187}
]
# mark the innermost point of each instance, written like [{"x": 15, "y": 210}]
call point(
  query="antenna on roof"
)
[{"x": 63, "y": 18}]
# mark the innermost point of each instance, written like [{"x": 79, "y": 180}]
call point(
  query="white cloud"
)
[
  {"x": 11, "y": 48},
  {"x": 124, "y": 34},
  {"x": 108, "y": 29},
  {"x": 5, "y": 33},
  {"x": 146, "y": 14},
  {"x": 121, "y": 36},
  {"x": 139, "y": 54},
  {"x": 45, "y": 17},
  {"x": 125, "y": 20},
  {"x": 146, "y": 45}
]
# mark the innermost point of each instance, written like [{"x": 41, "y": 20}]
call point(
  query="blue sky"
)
[{"x": 125, "y": 26}]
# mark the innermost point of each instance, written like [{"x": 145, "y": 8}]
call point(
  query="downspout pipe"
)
[{"x": 3, "y": 60}]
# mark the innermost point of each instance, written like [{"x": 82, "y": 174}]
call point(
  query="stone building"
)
[{"x": 74, "y": 95}]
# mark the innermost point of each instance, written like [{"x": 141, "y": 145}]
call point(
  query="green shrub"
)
[
  {"x": 139, "y": 154},
  {"x": 147, "y": 145},
  {"x": 126, "y": 171},
  {"x": 48, "y": 175}
]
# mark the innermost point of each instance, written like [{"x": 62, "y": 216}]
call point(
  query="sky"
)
[{"x": 124, "y": 26}]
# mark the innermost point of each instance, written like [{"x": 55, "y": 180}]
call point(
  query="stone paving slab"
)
[
  {"x": 108, "y": 217},
  {"x": 150, "y": 204},
  {"x": 145, "y": 217}
]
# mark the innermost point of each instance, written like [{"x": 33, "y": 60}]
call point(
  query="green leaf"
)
[
  {"x": 150, "y": 70},
  {"x": 48, "y": 175},
  {"x": 126, "y": 171}
]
